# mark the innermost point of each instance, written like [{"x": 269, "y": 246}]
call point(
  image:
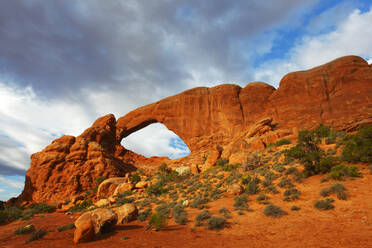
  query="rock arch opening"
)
[{"x": 156, "y": 140}]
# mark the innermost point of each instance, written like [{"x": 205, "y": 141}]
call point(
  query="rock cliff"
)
[{"x": 225, "y": 120}]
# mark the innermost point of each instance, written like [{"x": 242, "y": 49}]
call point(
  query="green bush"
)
[
  {"x": 10, "y": 214},
  {"x": 135, "y": 178},
  {"x": 324, "y": 204},
  {"x": 339, "y": 172},
  {"x": 66, "y": 227},
  {"x": 273, "y": 211},
  {"x": 163, "y": 168},
  {"x": 308, "y": 152},
  {"x": 216, "y": 223},
  {"x": 337, "y": 189},
  {"x": 24, "y": 229},
  {"x": 179, "y": 214},
  {"x": 202, "y": 216},
  {"x": 278, "y": 167},
  {"x": 144, "y": 215},
  {"x": 295, "y": 208},
  {"x": 291, "y": 194},
  {"x": 221, "y": 162},
  {"x": 225, "y": 212},
  {"x": 163, "y": 209},
  {"x": 285, "y": 182},
  {"x": 36, "y": 235},
  {"x": 240, "y": 202},
  {"x": 156, "y": 189},
  {"x": 83, "y": 206},
  {"x": 157, "y": 221},
  {"x": 253, "y": 186},
  {"x": 358, "y": 147},
  {"x": 280, "y": 143}
]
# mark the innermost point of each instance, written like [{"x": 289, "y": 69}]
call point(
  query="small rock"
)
[
  {"x": 235, "y": 189},
  {"x": 102, "y": 202},
  {"x": 186, "y": 203},
  {"x": 141, "y": 185},
  {"x": 183, "y": 170}
]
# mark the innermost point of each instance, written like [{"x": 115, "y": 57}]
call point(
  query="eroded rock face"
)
[{"x": 223, "y": 121}]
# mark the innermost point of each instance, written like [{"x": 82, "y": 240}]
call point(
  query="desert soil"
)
[{"x": 348, "y": 225}]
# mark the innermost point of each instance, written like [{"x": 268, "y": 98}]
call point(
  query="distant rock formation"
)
[{"x": 224, "y": 121}]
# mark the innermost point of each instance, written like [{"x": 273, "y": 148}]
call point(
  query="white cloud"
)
[
  {"x": 369, "y": 61},
  {"x": 155, "y": 140},
  {"x": 350, "y": 37},
  {"x": 11, "y": 183}
]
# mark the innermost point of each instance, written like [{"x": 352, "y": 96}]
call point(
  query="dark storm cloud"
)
[
  {"x": 8, "y": 170},
  {"x": 59, "y": 47}
]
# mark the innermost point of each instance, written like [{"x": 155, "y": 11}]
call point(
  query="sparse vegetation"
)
[
  {"x": 295, "y": 208},
  {"x": 36, "y": 235},
  {"x": 339, "y": 172},
  {"x": 66, "y": 227},
  {"x": 216, "y": 223},
  {"x": 291, "y": 194},
  {"x": 337, "y": 189},
  {"x": 324, "y": 204},
  {"x": 97, "y": 182},
  {"x": 358, "y": 147},
  {"x": 273, "y": 211},
  {"x": 81, "y": 207},
  {"x": 179, "y": 214},
  {"x": 157, "y": 221},
  {"x": 240, "y": 202},
  {"x": 24, "y": 229},
  {"x": 135, "y": 178},
  {"x": 202, "y": 216}
]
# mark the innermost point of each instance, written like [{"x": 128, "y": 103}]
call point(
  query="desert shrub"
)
[
  {"x": 221, "y": 162},
  {"x": 36, "y": 235},
  {"x": 216, "y": 194},
  {"x": 157, "y": 221},
  {"x": 202, "y": 216},
  {"x": 253, "y": 186},
  {"x": 278, "y": 167},
  {"x": 291, "y": 194},
  {"x": 285, "y": 182},
  {"x": 37, "y": 208},
  {"x": 280, "y": 143},
  {"x": 124, "y": 238},
  {"x": 272, "y": 189},
  {"x": 358, "y": 147},
  {"x": 198, "y": 202},
  {"x": 245, "y": 180},
  {"x": 252, "y": 163},
  {"x": 156, "y": 189},
  {"x": 240, "y": 202},
  {"x": 324, "y": 204},
  {"x": 163, "y": 168},
  {"x": 179, "y": 214},
  {"x": 163, "y": 209},
  {"x": 225, "y": 212},
  {"x": 262, "y": 199},
  {"x": 273, "y": 211},
  {"x": 10, "y": 214},
  {"x": 233, "y": 177},
  {"x": 339, "y": 172},
  {"x": 231, "y": 167},
  {"x": 135, "y": 178},
  {"x": 308, "y": 152},
  {"x": 142, "y": 216},
  {"x": 291, "y": 170},
  {"x": 295, "y": 208},
  {"x": 66, "y": 227},
  {"x": 337, "y": 189},
  {"x": 216, "y": 223},
  {"x": 81, "y": 207},
  {"x": 24, "y": 229}
]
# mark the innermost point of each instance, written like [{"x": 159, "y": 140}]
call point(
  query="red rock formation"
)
[{"x": 225, "y": 120}]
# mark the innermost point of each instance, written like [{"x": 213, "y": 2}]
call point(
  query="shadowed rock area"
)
[{"x": 224, "y": 121}]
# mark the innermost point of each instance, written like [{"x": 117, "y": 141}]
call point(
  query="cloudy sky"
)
[{"x": 65, "y": 63}]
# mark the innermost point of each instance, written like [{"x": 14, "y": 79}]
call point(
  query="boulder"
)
[
  {"x": 93, "y": 223},
  {"x": 183, "y": 170},
  {"x": 141, "y": 185},
  {"x": 235, "y": 189},
  {"x": 123, "y": 187},
  {"x": 108, "y": 187},
  {"x": 126, "y": 213},
  {"x": 102, "y": 202}
]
